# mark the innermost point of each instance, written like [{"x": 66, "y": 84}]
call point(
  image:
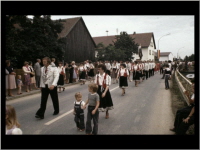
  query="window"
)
[{"x": 149, "y": 52}]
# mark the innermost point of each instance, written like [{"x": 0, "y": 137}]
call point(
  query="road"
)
[{"x": 144, "y": 110}]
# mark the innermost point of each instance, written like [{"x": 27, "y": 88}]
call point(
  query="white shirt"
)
[
  {"x": 108, "y": 66},
  {"x": 114, "y": 66},
  {"x": 146, "y": 66},
  {"x": 118, "y": 65},
  {"x": 150, "y": 65},
  {"x": 128, "y": 66},
  {"x": 91, "y": 66},
  {"x": 153, "y": 65},
  {"x": 61, "y": 69},
  {"x": 101, "y": 78},
  {"x": 78, "y": 103},
  {"x": 135, "y": 67},
  {"x": 81, "y": 68},
  {"x": 170, "y": 65},
  {"x": 122, "y": 71}
]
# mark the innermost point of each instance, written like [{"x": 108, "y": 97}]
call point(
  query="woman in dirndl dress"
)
[
  {"x": 91, "y": 71},
  {"x": 27, "y": 78},
  {"x": 61, "y": 71},
  {"x": 114, "y": 72},
  {"x": 10, "y": 78},
  {"x": 103, "y": 81},
  {"x": 123, "y": 75},
  {"x": 74, "y": 71},
  {"x": 136, "y": 74},
  {"x": 82, "y": 73}
]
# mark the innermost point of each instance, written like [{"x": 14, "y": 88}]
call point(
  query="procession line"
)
[{"x": 67, "y": 113}]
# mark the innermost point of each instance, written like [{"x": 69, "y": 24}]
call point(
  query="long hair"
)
[{"x": 11, "y": 117}]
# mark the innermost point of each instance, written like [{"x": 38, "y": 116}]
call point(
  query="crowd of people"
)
[{"x": 51, "y": 76}]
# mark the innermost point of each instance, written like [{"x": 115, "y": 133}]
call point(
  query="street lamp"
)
[
  {"x": 178, "y": 52},
  {"x": 160, "y": 38}
]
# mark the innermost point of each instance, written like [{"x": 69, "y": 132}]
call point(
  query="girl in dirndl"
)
[
  {"x": 136, "y": 74},
  {"x": 103, "y": 81},
  {"x": 82, "y": 73},
  {"x": 91, "y": 71},
  {"x": 122, "y": 74},
  {"x": 61, "y": 71},
  {"x": 114, "y": 72}
]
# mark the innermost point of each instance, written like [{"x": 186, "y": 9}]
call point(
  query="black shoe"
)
[
  {"x": 36, "y": 116},
  {"x": 173, "y": 129},
  {"x": 55, "y": 113}
]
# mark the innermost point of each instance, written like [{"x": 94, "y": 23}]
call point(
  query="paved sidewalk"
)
[{"x": 24, "y": 93}]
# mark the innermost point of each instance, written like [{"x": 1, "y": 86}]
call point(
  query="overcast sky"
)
[{"x": 181, "y": 29}]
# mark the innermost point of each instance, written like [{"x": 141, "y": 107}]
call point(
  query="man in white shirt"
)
[
  {"x": 48, "y": 85},
  {"x": 146, "y": 69}
]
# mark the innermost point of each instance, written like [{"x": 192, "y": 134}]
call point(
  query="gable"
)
[{"x": 69, "y": 24}]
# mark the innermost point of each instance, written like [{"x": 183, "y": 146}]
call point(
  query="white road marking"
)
[
  {"x": 67, "y": 113},
  {"x": 52, "y": 121}
]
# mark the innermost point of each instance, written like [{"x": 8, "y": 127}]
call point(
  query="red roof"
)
[{"x": 141, "y": 38}]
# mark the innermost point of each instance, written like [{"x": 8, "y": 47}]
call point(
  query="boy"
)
[
  {"x": 93, "y": 113},
  {"x": 78, "y": 112}
]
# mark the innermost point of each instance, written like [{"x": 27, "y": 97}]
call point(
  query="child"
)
[
  {"x": 78, "y": 112},
  {"x": 19, "y": 84},
  {"x": 12, "y": 125},
  {"x": 93, "y": 113}
]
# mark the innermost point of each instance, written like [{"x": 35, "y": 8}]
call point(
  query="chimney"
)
[{"x": 134, "y": 32}]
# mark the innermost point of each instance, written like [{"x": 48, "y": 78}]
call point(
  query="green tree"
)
[
  {"x": 126, "y": 43},
  {"x": 29, "y": 39}
]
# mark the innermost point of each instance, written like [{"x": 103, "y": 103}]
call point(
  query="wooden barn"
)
[{"x": 80, "y": 46}]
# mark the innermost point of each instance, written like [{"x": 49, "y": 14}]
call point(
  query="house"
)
[
  {"x": 146, "y": 40},
  {"x": 166, "y": 56},
  {"x": 80, "y": 46}
]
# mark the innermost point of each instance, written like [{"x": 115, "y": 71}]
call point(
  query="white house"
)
[
  {"x": 146, "y": 40},
  {"x": 166, "y": 56}
]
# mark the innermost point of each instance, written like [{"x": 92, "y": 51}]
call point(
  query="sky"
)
[{"x": 172, "y": 33}]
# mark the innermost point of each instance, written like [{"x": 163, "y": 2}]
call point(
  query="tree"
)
[
  {"x": 189, "y": 58},
  {"x": 126, "y": 44},
  {"x": 29, "y": 39}
]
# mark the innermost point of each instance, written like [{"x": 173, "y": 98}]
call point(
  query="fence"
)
[{"x": 184, "y": 84}]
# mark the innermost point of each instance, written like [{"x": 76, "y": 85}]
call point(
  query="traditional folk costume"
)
[
  {"x": 106, "y": 102},
  {"x": 136, "y": 74},
  {"x": 114, "y": 71},
  {"x": 61, "y": 71},
  {"x": 140, "y": 72},
  {"x": 123, "y": 74},
  {"x": 91, "y": 70},
  {"x": 82, "y": 72}
]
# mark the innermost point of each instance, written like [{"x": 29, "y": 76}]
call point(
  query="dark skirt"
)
[
  {"x": 136, "y": 75},
  {"x": 82, "y": 75},
  {"x": 106, "y": 102},
  {"x": 60, "y": 80},
  {"x": 123, "y": 83},
  {"x": 91, "y": 73}
]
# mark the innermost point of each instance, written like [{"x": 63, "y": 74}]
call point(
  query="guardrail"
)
[{"x": 184, "y": 84}]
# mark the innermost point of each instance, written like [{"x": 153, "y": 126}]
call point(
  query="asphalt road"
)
[{"x": 144, "y": 110}]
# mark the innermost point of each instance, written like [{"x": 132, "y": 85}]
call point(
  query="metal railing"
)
[{"x": 184, "y": 84}]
